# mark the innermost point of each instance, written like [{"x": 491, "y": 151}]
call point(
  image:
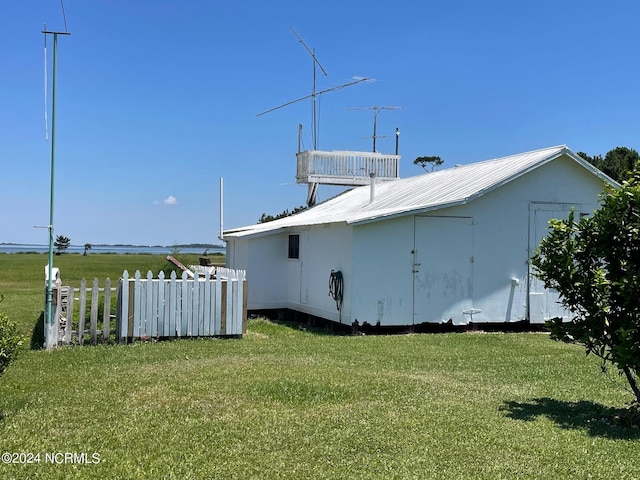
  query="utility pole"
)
[{"x": 51, "y": 337}]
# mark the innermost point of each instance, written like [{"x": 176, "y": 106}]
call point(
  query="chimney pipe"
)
[{"x": 372, "y": 190}]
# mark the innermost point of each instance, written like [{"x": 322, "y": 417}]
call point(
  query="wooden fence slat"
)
[
  {"x": 148, "y": 311},
  {"x": 173, "y": 304},
  {"x": 229, "y": 303},
  {"x": 206, "y": 311},
  {"x": 70, "y": 300},
  {"x": 195, "y": 308},
  {"x": 106, "y": 312},
  {"x": 218, "y": 306},
  {"x": 93, "y": 325},
  {"x": 122, "y": 312},
  {"x": 160, "y": 305},
  {"x": 82, "y": 310},
  {"x": 137, "y": 304},
  {"x": 184, "y": 307}
]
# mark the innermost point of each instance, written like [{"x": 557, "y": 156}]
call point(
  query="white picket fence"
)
[
  {"x": 146, "y": 308},
  {"x": 182, "y": 307}
]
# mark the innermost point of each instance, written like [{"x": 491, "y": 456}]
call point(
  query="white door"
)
[
  {"x": 443, "y": 270},
  {"x": 544, "y": 303}
]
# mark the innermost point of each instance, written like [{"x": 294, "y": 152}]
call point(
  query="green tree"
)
[
  {"x": 617, "y": 163},
  {"x": 61, "y": 243},
  {"x": 424, "y": 161},
  {"x": 264, "y": 218},
  {"x": 87, "y": 246},
  {"x": 594, "y": 264}
]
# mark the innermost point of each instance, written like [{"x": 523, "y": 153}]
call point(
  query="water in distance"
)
[{"x": 123, "y": 249}]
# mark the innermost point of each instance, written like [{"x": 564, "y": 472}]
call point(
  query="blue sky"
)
[{"x": 156, "y": 100}]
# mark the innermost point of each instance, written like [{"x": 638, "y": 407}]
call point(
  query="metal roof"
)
[{"x": 422, "y": 193}]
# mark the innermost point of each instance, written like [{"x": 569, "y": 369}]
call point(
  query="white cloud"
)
[{"x": 170, "y": 200}]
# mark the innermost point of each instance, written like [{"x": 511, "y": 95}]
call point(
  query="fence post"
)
[{"x": 122, "y": 320}]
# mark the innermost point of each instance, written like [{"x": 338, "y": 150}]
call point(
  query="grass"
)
[{"x": 288, "y": 402}]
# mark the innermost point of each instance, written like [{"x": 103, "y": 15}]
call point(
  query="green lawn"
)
[{"x": 285, "y": 402}]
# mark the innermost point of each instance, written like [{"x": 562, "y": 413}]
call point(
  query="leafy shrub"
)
[
  {"x": 10, "y": 341},
  {"x": 594, "y": 264}
]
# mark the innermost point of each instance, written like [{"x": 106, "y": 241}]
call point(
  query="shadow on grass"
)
[
  {"x": 595, "y": 419},
  {"x": 37, "y": 334},
  {"x": 319, "y": 329}
]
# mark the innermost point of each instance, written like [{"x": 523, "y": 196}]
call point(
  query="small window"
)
[{"x": 294, "y": 246}]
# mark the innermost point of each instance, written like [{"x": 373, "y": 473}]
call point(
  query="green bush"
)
[{"x": 10, "y": 341}]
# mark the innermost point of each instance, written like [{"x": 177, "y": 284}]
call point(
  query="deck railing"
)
[{"x": 345, "y": 167}]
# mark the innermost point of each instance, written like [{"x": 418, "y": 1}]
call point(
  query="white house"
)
[{"x": 452, "y": 246}]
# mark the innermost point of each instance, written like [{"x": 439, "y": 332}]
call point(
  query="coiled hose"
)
[{"x": 336, "y": 289}]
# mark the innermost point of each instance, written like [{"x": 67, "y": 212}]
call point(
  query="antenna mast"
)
[
  {"x": 313, "y": 89},
  {"x": 314, "y": 93},
  {"x": 376, "y": 110}
]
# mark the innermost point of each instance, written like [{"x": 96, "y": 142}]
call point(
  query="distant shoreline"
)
[
  {"x": 121, "y": 245},
  {"x": 96, "y": 249}
]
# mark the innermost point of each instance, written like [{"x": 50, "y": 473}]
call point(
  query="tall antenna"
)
[
  {"x": 51, "y": 334},
  {"x": 313, "y": 88},
  {"x": 314, "y": 93},
  {"x": 376, "y": 110}
]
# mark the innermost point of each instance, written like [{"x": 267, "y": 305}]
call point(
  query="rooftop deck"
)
[{"x": 345, "y": 167}]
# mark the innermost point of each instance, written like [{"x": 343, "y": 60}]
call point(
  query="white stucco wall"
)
[
  {"x": 382, "y": 282},
  {"x": 322, "y": 249},
  {"x": 383, "y": 279},
  {"x": 267, "y": 276}
]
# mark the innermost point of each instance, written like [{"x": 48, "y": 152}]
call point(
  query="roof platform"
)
[{"x": 345, "y": 168}]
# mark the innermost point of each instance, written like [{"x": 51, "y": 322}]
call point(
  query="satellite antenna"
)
[
  {"x": 314, "y": 93},
  {"x": 376, "y": 110}
]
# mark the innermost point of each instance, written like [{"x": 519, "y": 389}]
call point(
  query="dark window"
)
[{"x": 294, "y": 246}]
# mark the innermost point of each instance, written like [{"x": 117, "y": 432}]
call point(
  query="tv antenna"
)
[
  {"x": 376, "y": 111},
  {"x": 314, "y": 93}
]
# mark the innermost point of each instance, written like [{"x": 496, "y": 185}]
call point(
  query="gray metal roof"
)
[{"x": 427, "y": 192}]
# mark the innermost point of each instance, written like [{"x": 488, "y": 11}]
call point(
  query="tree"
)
[
  {"x": 424, "y": 161},
  {"x": 594, "y": 264},
  {"x": 61, "y": 243},
  {"x": 617, "y": 163},
  {"x": 87, "y": 246},
  {"x": 264, "y": 218}
]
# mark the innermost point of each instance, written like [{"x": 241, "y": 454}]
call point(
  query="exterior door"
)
[
  {"x": 443, "y": 270},
  {"x": 544, "y": 304}
]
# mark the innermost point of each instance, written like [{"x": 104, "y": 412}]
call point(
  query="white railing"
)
[{"x": 345, "y": 167}]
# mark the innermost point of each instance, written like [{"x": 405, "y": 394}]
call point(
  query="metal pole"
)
[
  {"x": 375, "y": 116},
  {"x": 48, "y": 317},
  {"x": 50, "y": 339},
  {"x": 397, "y": 138}
]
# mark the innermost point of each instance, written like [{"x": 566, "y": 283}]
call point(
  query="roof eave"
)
[{"x": 413, "y": 211}]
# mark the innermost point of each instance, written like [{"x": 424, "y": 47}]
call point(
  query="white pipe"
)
[
  {"x": 221, "y": 209},
  {"x": 372, "y": 192}
]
